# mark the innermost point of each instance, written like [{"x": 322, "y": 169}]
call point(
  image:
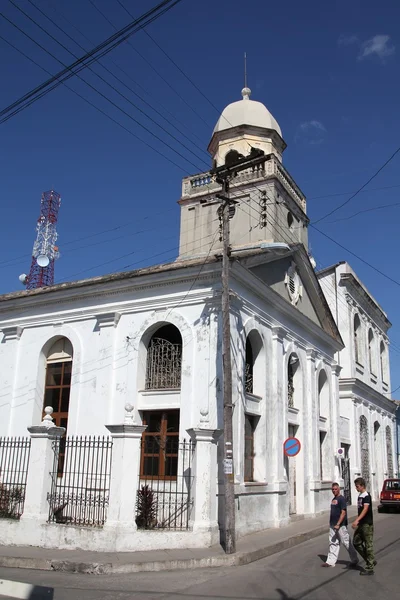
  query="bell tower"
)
[{"x": 270, "y": 206}]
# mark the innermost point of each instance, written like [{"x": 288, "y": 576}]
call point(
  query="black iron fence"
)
[
  {"x": 165, "y": 493},
  {"x": 80, "y": 481},
  {"x": 14, "y": 460}
]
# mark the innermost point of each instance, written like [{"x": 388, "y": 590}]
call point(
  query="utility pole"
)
[{"x": 226, "y": 212}]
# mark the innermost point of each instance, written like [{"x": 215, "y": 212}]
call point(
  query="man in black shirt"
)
[
  {"x": 338, "y": 529},
  {"x": 363, "y": 538}
]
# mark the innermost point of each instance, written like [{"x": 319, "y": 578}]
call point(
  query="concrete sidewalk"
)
[{"x": 249, "y": 549}]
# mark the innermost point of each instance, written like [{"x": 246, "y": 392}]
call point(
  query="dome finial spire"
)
[{"x": 245, "y": 91}]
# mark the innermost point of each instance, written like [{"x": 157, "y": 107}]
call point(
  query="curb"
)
[{"x": 240, "y": 558}]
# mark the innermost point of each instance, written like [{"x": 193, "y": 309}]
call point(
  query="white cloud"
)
[
  {"x": 378, "y": 45},
  {"x": 347, "y": 40},
  {"x": 312, "y": 125},
  {"x": 311, "y": 132}
]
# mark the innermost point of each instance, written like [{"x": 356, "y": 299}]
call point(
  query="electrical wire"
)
[
  {"x": 101, "y": 50},
  {"x": 124, "y": 71},
  {"x": 119, "y": 80},
  {"x": 151, "y": 66},
  {"x": 360, "y": 189},
  {"x": 365, "y": 210},
  {"x": 106, "y": 97},
  {"x": 98, "y": 109},
  {"x": 387, "y": 187}
]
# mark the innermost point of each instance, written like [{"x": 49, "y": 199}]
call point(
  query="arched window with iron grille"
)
[{"x": 164, "y": 359}]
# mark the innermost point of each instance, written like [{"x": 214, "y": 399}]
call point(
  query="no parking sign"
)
[{"x": 291, "y": 446}]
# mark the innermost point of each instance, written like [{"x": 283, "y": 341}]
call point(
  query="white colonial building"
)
[
  {"x": 151, "y": 339},
  {"x": 367, "y": 429}
]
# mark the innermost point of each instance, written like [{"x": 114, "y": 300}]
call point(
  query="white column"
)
[
  {"x": 311, "y": 428},
  {"x": 40, "y": 469},
  {"x": 335, "y": 415},
  {"x": 279, "y": 412},
  {"x": 125, "y": 466},
  {"x": 205, "y": 478}
]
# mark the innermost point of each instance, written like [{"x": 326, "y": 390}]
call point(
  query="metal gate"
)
[{"x": 364, "y": 446}]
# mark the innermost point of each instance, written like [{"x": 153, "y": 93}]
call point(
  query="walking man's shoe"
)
[
  {"x": 325, "y": 564},
  {"x": 366, "y": 573}
]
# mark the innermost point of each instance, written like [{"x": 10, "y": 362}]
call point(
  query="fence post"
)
[
  {"x": 41, "y": 461},
  {"x": 124, "y": 471},
  {"x": 205, "y": 478}
]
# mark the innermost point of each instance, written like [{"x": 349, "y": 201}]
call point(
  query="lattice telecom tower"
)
[{"x": 45, "y": 251}]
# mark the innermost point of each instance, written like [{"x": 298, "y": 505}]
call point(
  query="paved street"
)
[{"x": 291, "y": 575}]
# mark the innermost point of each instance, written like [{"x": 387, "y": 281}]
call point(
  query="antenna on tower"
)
[
  {"x": 45, "y": 251},
  {"x": 245, "y": 70}
]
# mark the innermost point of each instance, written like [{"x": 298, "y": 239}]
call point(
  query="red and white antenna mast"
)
[{"x": 45, "y": 251}]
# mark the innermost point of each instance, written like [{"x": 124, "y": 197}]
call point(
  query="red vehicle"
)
[{"x": 390, "y": 495}]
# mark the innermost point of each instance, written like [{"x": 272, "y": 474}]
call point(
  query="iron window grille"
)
[
  {"x": 164, "y": 364},
  {"x": 249, "y": 368}
]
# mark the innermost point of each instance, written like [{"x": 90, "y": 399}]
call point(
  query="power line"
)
[
  {"x": 119, "y": 80},
  {"x": 113, "y": 88},
  {"x": 355, "y": 255},
  {"x": 364, "y": 211},
  {"x": 361, "y": 188},
  {"x": 93, "y": 106},
  {"x": 387, "y": 187},
  {"x": 59, "y": 14},
  {"x": 170, "y": 59},
  {"x": 150, "y": 65},
  {"x": 104, "y": 48}
]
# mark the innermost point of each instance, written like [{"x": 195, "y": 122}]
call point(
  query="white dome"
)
[{"x": 246, "y": 112}]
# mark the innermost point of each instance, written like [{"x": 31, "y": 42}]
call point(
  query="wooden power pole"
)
[{"x": 223, "y": 175}]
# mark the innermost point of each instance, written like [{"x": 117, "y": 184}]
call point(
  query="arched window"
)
[
  {"x": 323, "y": 394},
  {"x": 249, "y": 368},
  {"x": 371, "y": 351},
  {"x": 389, "y": 452},
  {"x": 254, "y": 383},
  {"x": 364, "y": 447},
  {"x": 323, "y": 402},
  {"x": 357, "y": 339},
  {"x": 164, "y": 359},
  {"x": 293, "y": 365},
  {"x": 383, "y": 362},
  {"x": 58, "y": 380},
  {"x": 254, "y": 379},
  {"x": 160, "y": 441}
]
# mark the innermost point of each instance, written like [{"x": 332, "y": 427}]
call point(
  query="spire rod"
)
[{"x": 245, "y": 70}]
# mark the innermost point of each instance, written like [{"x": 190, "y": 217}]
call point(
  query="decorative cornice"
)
[{"x": 12, "y": 333}]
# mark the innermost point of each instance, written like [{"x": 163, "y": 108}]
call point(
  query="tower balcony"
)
[{"x": 204, "y": 184}]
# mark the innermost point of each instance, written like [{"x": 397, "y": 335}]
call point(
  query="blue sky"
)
[{"x": 329, "y": 74}]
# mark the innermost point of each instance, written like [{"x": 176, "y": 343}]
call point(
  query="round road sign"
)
[{"x": 291, "y": 446}]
